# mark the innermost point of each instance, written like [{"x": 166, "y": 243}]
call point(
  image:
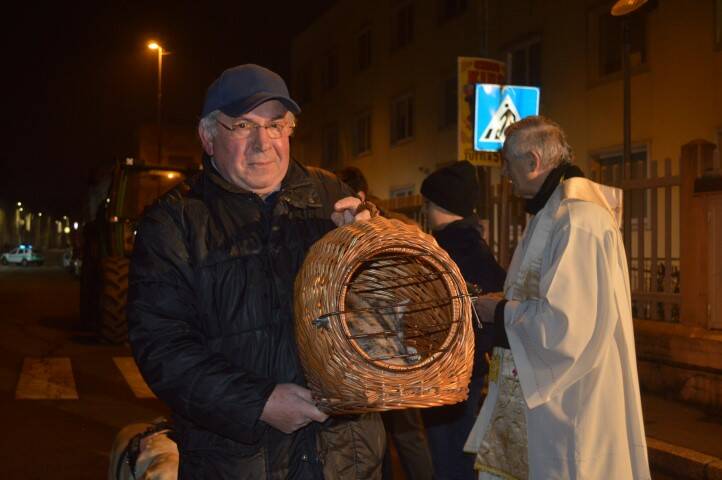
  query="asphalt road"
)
[{"x": 55, "y": 437}]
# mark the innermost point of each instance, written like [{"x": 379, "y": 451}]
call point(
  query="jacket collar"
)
[
  {"x": 297, "y": 188},
  {"x": 564, "y": 170},
  {"x": 457, "y": 227},
  {"x": 466, "y": 222}
]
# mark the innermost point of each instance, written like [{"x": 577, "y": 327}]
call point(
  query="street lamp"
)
[
  {"x": 622, "y": 9},
  {"x": 155, "y": 46}
]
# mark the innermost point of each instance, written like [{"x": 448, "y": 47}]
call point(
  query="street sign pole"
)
[{"x": 627, "y": 154}]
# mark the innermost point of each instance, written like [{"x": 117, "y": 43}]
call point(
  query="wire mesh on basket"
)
[{"x": 382, "y": 320}]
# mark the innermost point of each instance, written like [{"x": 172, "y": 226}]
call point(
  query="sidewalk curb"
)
[{"x": 683, "y": 462}]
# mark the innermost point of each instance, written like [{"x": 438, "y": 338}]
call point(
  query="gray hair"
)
[
  {"x": 209, "y": 123},
  {"x": 540, "y": 134}
]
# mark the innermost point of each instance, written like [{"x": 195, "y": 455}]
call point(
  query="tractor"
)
[{"x": 108, "y": 242}]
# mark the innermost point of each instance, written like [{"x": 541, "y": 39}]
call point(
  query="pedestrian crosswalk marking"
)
[
  {"x": 132, "y": 376},
  {"x": 46, "y": 379},
  {"x": 51, "y": 378}
]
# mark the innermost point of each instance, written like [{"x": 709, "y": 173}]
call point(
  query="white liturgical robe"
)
[{"x": 569, "y": 324}]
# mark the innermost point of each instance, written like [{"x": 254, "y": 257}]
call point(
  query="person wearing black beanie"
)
[
  {"x": 453, "y": 188},
  {"x": 450, "y": 197}
]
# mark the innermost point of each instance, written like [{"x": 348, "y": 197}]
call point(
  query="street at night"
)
[{"x": 63, "y": 396}]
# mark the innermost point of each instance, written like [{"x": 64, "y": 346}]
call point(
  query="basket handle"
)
[{"x": 366, "y": 205}]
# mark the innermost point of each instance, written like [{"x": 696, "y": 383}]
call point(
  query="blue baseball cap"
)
[{"x": 241, "y": 89}]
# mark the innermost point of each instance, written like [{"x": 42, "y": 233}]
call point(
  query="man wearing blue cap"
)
[{"x": 210, "y": 306}]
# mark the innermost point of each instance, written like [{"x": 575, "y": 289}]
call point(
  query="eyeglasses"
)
[{"x": 276, "y": 129}]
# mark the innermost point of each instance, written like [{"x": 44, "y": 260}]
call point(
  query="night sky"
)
[{"x": 79, "y": 79}]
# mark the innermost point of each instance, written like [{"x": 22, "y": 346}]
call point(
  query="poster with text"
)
[{"x": 470, "y": 71}]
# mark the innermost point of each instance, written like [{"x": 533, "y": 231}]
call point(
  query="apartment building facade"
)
[
  {"x": 377, "y": 79},
  {"x": 377, "y": 84}
]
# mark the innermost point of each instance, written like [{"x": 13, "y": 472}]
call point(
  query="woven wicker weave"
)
[{"x": 399, "y": 273}]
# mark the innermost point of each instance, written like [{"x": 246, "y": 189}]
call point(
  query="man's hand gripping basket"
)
[{"x": 383, "y": 320}]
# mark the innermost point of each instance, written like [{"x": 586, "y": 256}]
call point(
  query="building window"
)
[
  {"x": 330, "y": 155},
  {"x": 524, "y": 63},
  {"x": 402, "y": 118},
  {"x": 304, "y": 91},
  {"x": 363, "y": 50},
  {"x": 605, "y": 41},
  {"x": 329, "y": 71},
  {"x": 402, "y": 26},
  {"x": 449, "y": 102},
  {"x": 449, "y": 9},
  {"x": 610, "y": 42},
  {"x": 362, "y": 134}
]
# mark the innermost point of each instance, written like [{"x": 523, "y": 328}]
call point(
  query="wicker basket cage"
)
[{"x": 383, "y": 320}]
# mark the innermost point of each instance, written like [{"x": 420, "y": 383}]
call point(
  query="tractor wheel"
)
[
  {"x": 24, "y": 262},
  {"x": 114, "y": 295}
]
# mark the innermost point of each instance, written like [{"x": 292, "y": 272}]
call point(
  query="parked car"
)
[{"x": 22, "y": 255}]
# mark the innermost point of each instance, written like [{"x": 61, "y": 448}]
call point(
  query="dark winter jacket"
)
[
  {"x": 211, "y": 326},
  {"x": 448, "y": 426},
  {"x": 464, "y": 243}
]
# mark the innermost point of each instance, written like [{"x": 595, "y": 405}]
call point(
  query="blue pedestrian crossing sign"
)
[{"x": 497, "y": 107}]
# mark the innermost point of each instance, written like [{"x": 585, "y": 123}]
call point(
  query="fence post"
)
[{"x": 693, "y": 254}]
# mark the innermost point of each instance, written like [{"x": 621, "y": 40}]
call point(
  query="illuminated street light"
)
[
  {"x": 155, "y": 46},
  {"x": 40, "y": 214},
  {"x": 75, "y": 225},
  {"x": 66, "y": 230},
  {"x": 20, "y": 204},
  {"x": 623, "y": 7}
]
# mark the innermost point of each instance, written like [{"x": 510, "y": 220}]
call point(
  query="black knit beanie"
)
[{"x": 453, "y": 188}]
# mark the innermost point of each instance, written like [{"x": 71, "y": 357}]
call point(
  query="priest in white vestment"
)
[{"x": 563, "y": 398}]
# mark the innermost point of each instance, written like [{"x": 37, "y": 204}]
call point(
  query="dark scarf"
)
[{"x": 564, "y": 170}]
